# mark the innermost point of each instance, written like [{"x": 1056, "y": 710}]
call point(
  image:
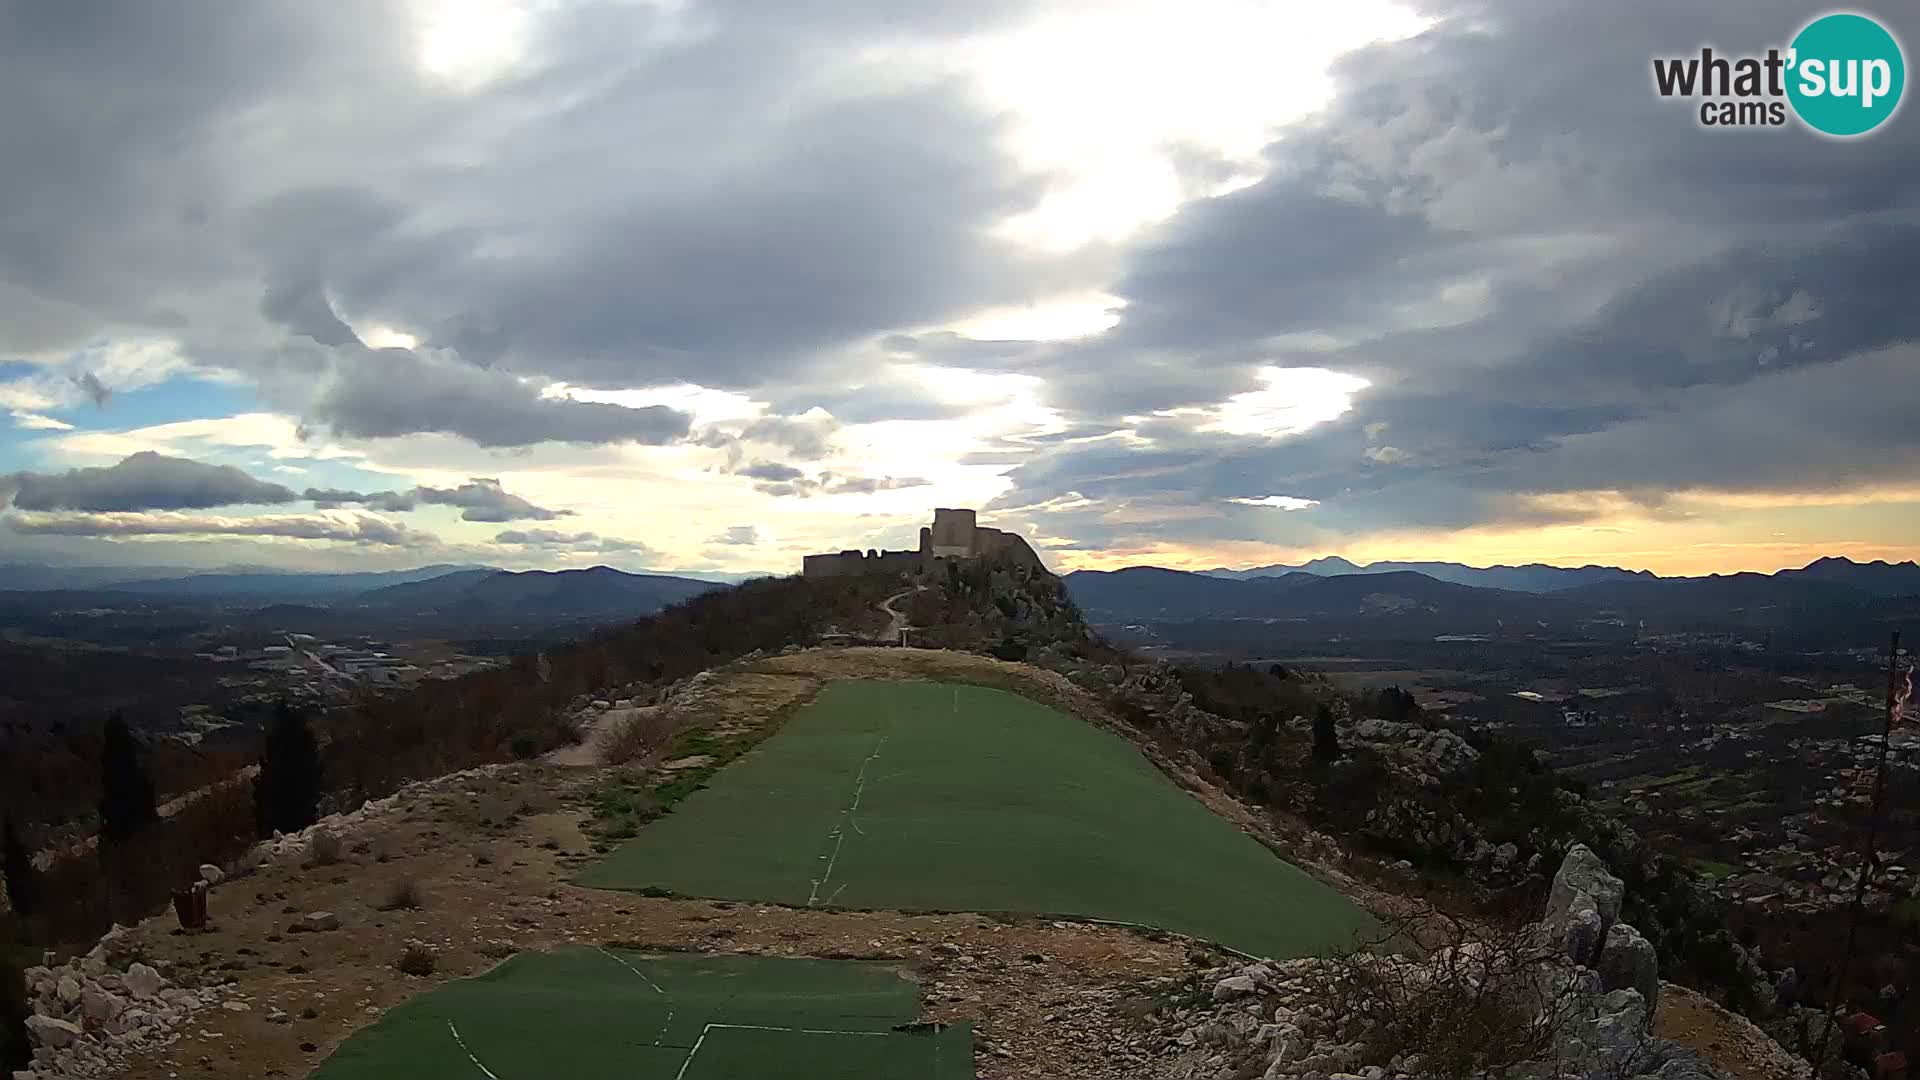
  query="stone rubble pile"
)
[
  {"x": 1588, "y": 981},
  {"x": 93, "y": 1013}
]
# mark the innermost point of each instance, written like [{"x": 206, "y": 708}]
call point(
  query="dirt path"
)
[{"x": 898, "y": 623}]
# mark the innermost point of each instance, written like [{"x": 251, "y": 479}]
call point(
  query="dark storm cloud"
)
[
  {"x": 782, "y": 480},
  {"x": 388, "y": 393},
  {"x": 480, "y": 499},
  {"x": 720, "y": 195},
  {"x": 333, "y": 498},
  {"x": 483, "y": 499},
  {"x": 144, "y": 481},
  {"x": 1555, "y": 281}
]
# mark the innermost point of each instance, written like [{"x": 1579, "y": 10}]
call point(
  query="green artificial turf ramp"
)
[
  {"x": 612, "y": 1014},
  {"x": 934, "y": 796}
]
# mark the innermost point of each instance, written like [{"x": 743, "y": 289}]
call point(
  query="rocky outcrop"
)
[
  {"x": 1582, "y": 976},
  {"x": 94, "y": 1014}
]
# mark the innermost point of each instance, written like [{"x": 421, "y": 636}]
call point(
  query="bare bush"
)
[
  {"x": 417, "y": 959},
  {"x": 326, "y": 847},
  {"x": 637, "y": 737},
  {"x": 1484, "y": 1000},
  {"x": 404, "y": 896}
]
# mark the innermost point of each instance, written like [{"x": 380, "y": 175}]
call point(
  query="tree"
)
[
  {"x": 16, "y": 1050},
  {"x": 286, "y": 794},
  {"x": 17, "y": 864},
  {"x": 126, "y": 791},
  {"x": 1326, "y": 741}
]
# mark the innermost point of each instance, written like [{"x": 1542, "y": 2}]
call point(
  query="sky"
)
[{"x": 712, "y": 284}]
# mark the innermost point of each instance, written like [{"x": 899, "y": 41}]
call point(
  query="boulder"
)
[
  {"x": 52, "y": 1033},
  {"x": 1234, "y": 986},
  {"x": 1628, "y": 962},
  {"x": 100, "y": 1006},
  {"x": 1583, "y": 871},
  {"x": 1583, "y": 904},
  {"x": 1578, "y": 930},
  {"x": 68, "y": 990},
  {"x": 211, "y": 874},
  {"x": 143, "y": 982},
  {"x": 318, "y": 921}
]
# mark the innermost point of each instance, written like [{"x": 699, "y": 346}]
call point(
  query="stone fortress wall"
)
[{"x": 954, "y": 534}]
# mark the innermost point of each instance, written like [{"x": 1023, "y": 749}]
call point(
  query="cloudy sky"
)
[{"x": 708, "y": 284}]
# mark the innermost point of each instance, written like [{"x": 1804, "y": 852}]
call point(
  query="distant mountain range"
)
[
  {"x": 1877, "y": 578},
  {"x": 268, "y": 585},
  {"x": 1533, "y": 577},
  {"x": 1146, "y": 593},
  {"x": 477, "y": 593},
  {"x": 1467, "y": 597},
  {"x": 601, "y": 592}
]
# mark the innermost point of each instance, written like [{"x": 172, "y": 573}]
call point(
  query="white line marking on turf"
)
[
  {"x": 656, "y": 989},
  {"x": 839, "y": 832},
  {"x": 697, "y": 1043},
  {"x": 470, "y": 1057}
]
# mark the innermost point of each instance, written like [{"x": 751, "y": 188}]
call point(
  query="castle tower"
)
[{"x": 953, "y": 534}]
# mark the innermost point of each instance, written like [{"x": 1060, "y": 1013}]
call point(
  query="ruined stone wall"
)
[
  {"x": 1005, "y": 546},
  {"x": 855, "y": 563}
]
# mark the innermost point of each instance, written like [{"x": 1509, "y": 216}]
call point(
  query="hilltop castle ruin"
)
[{"x": 953, "y": 535}]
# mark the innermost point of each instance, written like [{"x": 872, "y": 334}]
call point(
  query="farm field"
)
[{"x": 923, "y": 796}]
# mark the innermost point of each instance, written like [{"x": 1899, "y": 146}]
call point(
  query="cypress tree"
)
[
  {"x": 286, "y": 794},
  {"x": 1326, "y": 741},
  {"x": 126, "y": 791},
  {"x": 17, "y": 863}
]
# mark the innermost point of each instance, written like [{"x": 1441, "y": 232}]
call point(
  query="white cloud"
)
[
  {"x": 1279, "y": 502},
  {"x": 36, "y": 422}
]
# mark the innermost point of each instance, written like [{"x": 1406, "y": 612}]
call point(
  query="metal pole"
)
[{"x": 1867, "y": 857}]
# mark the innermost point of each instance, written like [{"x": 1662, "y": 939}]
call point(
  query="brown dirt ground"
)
[
  {"x": 492, "y": 855},
  {"x": 1732, "y": 1043}
]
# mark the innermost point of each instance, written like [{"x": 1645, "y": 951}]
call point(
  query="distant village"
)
[{"x": 305, "y": 668}]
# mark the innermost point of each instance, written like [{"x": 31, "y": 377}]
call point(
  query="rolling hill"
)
[{"x": 1153, "y": 593}]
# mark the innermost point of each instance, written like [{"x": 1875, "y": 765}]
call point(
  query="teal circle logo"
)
[{"x": 1846, "y": 74}]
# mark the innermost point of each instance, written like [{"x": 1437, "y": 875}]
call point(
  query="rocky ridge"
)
[{"x": 1584, "y": 984}]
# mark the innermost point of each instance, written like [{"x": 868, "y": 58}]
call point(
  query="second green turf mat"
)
[
  {"x": 934, "y": 796},
  {"x": 611, "y": 1014}
]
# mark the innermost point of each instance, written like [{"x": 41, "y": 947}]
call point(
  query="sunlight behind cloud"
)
[
  {"x": 1295, "y": 400},
  {"x": 466, "y": 43},
  {"x": 705, "y": 404},
  {"x": 1056, "y": 319},
  {"x": 1108, "y": 96}
]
